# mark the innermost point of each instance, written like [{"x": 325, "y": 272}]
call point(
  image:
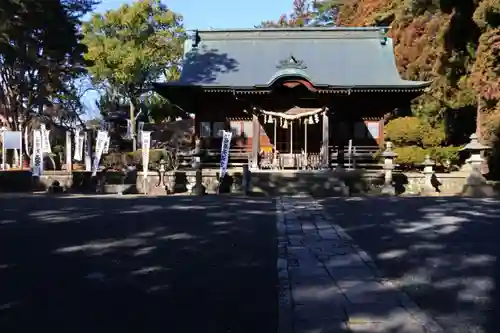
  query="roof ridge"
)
[
  {"x": 285, "y": 29},
  {"x": 291, "y": 33}
]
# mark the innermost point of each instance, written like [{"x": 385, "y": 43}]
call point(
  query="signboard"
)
[
  {"x": 224, "y": 152},
  {"x": 12, "y": 140}
]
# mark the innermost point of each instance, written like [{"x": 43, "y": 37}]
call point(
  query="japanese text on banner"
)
[{"x": 224, "y": 152}]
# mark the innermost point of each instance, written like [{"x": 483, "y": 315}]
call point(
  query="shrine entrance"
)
[{"x": 296, "y": 136}]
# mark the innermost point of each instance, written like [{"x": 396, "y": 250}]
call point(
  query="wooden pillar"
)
[
  {"x": 275, "y": 133},
  {"x": 305, "y": 135},
  {"x": 255, "y": 141},
  {"x": 326, "y": 137}
]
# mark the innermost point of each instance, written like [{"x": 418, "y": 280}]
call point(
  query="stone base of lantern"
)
[
  {"x": 476, "y": 186},
  {"x": 478, "y": 191},
  {"x": 388, "y": 190},
  {"x": 428, "y": 190}
]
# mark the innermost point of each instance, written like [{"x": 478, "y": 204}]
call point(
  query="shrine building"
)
[{"x": 294, "y": 98}]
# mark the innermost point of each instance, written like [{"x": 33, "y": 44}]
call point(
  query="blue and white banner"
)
[
  {"x": 224, "y": 152},
  {"x": 37, "y": 153}
]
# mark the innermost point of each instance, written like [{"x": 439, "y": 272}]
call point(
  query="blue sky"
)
[
  {"x": 217, "y": 14},
  {"x": 199, "y": 14}
]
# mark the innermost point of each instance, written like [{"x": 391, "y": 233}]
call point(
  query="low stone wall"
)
[
  {"x": 269, "y": 183},
  {"x": 181, "y": 181},
  {"x": 447, "y": 183}
]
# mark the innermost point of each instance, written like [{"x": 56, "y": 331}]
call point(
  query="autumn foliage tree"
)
[{"x": 454, "y": 43}]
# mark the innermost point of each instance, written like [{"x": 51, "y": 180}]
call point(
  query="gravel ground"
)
[{"x": 109, "y": 264}]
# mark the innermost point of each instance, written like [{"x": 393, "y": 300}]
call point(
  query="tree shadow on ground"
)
[
  {"x": 443, "y": 252},
  {"x": 102, "y": 264}
]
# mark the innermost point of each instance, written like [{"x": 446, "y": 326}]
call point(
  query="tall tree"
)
[
  {"x": 308, "y": 13},
  {"x": 40, "y": 53},
  {"x": 133, "y": 46}
]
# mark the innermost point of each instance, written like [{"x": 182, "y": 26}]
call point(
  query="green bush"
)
[
  {"x": 155, "y": 155},
  {"x": 409, "y": 156},
  {"x": 431, "y": 136},
  {"x": 445, "y": 155},
  {"x": 403, "y": 131},
  {"x": 412, "y": 131}
]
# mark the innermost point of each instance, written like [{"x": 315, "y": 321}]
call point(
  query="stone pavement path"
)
[{"x": 328, "y": 284}]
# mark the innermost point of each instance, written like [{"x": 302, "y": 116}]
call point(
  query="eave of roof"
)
[{"x": 325, "y": 57}]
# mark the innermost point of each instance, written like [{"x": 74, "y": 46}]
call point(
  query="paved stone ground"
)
[
  {"x": 444, "y": 252},
  {"x": 106, "y": 264},
  {"x": 328, "y": 284}
]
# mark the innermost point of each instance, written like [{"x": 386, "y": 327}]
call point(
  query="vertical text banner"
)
[
  {"x": 106, "y": 143},
  {"x": 37, "y": 153},
  {"x": 224, "y": 152},
  {"x": 145, "y": 145},
  {"x": 87, "y": 152},
  {"x": 79, "y": 146},
  {"x": 46, "y": 149},
  {"x": 68, "y": 154},
  {"x": 99, "y": 148}
]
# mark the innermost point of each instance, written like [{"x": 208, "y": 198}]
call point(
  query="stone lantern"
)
[
  {"x": 475, "y": 184},
  {"x": 388, "y": 167},
  {"x": 428, "y": 172},
  {"x": 475, "y": 148}
]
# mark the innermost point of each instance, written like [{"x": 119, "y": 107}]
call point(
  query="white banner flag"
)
[
  {"x": 145, "y": 145},
  {"x": 79, "y": 142},
  {"x": 37, "y": 153},
  {"x": 99, "y": 147},
  {"x": 68, "y": 152},
  {"x": 129, "y": 129},
  {"x": 45, "y": 139},
  {"x": 224, "y": 152},
  {"x": 26, "y": 145},
  {"x": 140, "y": 129},
  {"x": 87, "y": 151},
  {"x": 106, "y": 144}
]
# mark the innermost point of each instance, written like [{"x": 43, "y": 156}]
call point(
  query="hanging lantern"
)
[
  {"x": 311, "y": 121},
  {"x": 316, "y": 118},
  {"x": 285, "y": 124},
  {"x": 269, "y": 119}
]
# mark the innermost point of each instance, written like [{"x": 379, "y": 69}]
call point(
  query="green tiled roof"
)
[{"x": 327, "y": 57}]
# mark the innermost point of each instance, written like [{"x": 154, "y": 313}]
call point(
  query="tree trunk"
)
[
  {"x": 479, "y": 119},
  {"x": 132, "y": 124}
]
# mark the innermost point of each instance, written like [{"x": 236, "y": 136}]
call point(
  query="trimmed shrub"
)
[{"x": 409, "y": 156}]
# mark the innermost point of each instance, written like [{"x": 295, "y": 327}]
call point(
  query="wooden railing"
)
[
  {"x": 361, "y": 156},
  {"x": 237, "y": 157}
]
